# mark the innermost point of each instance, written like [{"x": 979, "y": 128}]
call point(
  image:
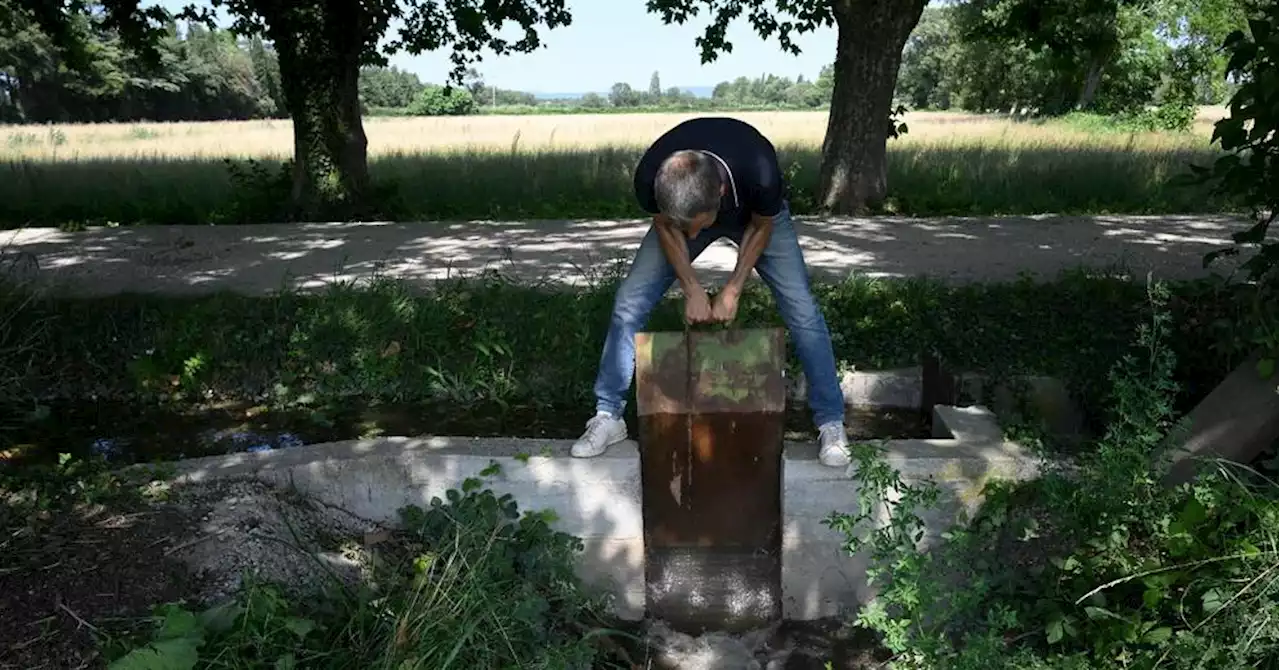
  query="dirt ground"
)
[
  {"x": 82, "y": 573},
  {"x": 263, "y": 258},
  {"x": 72, "y": 580}
]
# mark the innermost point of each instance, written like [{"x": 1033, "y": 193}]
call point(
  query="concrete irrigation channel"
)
[{"x": 599, "y": 499}]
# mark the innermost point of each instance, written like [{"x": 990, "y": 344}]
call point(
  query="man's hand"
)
[
  {"x": 726, "y": 307},
  {"x": 697, "y": 308}
]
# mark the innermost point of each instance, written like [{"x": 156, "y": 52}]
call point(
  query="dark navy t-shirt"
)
[{"x": 748, "y": 165}]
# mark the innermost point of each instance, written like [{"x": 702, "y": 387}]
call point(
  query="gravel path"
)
[{"x": 264, "y": 258}]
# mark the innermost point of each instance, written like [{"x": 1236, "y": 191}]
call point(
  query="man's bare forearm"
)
[
  {"x": 754, "y": 241},
  {"x": 676, "y": 248}
]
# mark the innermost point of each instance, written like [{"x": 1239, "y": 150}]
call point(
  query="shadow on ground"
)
[{"x": 264, "y": 258}]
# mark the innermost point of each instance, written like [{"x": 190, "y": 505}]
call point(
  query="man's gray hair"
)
[{"x": 687, "y": 184}]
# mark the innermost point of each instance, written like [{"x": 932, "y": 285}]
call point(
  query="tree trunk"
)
[
  {"x": 319, "y": 78},
  {"x": 871, "y": 35},
  {"x": 1092, "y": 78}
]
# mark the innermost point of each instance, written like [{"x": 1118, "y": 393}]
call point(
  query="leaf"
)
[
  {"x": 1158, "y": 635},
  {"x": 1098, "y": 613},
  {"x": 1053, "y": 632},
  {"x": 221, "y": 618},
  {"x": 174, "y": 654},
  {"x": 1211, "y": 601},
  {"x": 299, "y": 626},
  {"x": 286, "y": 662},
  {"x": 178, "y": 623},
  {"x": 1193, "y": 513}
]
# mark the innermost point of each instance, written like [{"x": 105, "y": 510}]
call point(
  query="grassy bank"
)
[
  {"x": 576, "y": 166},
  {"x": 518, "y": 354}
]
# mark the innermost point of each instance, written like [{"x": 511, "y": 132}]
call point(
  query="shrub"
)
[
  {"x": 1096, "y": 565},
  {"x": 438, "y": 101}
]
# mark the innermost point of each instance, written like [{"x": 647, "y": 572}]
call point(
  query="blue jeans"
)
[{"x": 782, "y": 268}]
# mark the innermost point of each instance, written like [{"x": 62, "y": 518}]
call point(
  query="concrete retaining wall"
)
[
  {"x": 1046, "y": 398},
  {"x": 599, "y": 499}
]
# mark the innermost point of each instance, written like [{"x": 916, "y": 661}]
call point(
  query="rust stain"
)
[{"x": 711, "y": 425}]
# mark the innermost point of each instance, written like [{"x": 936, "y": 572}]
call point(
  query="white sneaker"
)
[
  {"x": 602, "y": 431},
  {"x": 833, "y": 450}
]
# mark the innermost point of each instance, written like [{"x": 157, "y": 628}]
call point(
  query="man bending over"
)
[{"x": 705, "y": 179}]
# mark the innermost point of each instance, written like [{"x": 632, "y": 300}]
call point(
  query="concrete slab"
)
[
  {"x": 1046, "y": 398},
  {"x": 1238, "y": 420},
  {"x": 598, "y": 499}
]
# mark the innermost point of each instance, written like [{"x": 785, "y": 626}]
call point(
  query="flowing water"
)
[{"x": 132, "y": 432}]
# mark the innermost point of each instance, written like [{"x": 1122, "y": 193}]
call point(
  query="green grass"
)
[
  {"x": 494, "y": 344},
  {"x": 924, "y": 178}
]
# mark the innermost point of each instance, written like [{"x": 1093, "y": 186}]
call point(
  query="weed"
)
[
  {"x": 1095, "y": 565},
  {"x": 494, "y": 346},
  {"x": 467, "y": 582}
]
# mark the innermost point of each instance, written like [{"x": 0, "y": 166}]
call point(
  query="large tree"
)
[
  {"x": 870, "y": 37},
  {"x": 321, "y": 46},
  {"x": 1081, "y": 37},
  {"x": 1106, "y": 55}
]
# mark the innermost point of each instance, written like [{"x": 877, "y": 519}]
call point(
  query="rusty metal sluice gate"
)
[{"x": 712, "y": 408}]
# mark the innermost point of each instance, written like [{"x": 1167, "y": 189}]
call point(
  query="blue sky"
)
[{"x": 618, "y": 40}]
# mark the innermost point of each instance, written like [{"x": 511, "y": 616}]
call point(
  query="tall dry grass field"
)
[
  {"x": 411, "y": 135},
  {"x": 576, "y": 165}
]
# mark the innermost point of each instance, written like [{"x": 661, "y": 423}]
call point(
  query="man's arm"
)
[
  {"x": 676, "y": 247},
  {"x": 754, "y": 241}
]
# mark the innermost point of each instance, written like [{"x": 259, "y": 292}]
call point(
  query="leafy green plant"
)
[
  {"x": 442, "y": 101},
  {"x": 257, "y": 630},
  {"x": 467, "y": 582},
  {"x": 32, "y": 490},
  {"x": 1248, "y": 172},
  {"x": 1096, "y": 564},
  {"x": 259, "y": 192}
]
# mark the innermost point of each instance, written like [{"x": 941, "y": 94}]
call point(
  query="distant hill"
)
[{"x": 699, "y": 91}]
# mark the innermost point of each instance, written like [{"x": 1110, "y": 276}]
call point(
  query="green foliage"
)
[
  {"x": 455, "y": 342},
  {"x": 1249, "y": 172},
  {"x": 1112, "y": 58},
  {"x": 202, "y": 75},
  {"x": 1078, "y": 38},
  {"x": 1097, "y": 564},
  {"x": 782, "y": 24},
  {"x": 259, "y": 192},
  {"x": 441, "y": 101},
  {"x": 924, "y": 78},
  {"x": 770, "y": 90},
  {"x": 468, "y": 582},
  {"x": 40, "y": 489},
  {"x": 258, "y": 629},
  {"x": 388, "y": 87}
]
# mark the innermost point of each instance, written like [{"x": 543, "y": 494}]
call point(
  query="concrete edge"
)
[
  {"x": 903, "y": 388},
  {"x": 970, "y": 432},
  {"x": 1046, "y": 397},
  {"x": 599, "y": 500}
]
